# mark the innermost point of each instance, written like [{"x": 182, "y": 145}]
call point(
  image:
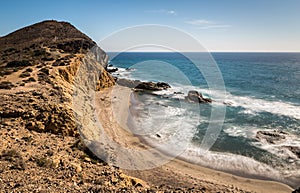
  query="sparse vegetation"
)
[
  {"x": 47, "y": 59},
  {"x": 45, "y": 71},
  {"x": 39, "y": 53},
  {"x": 24, "y": 74},
  {"x": 59, "y": 63},
  {"x": 31, "y": 79},
  {"x": 6, "y": 85},
  {"x": 15, "y": 158},
  {"x": 32, "y": 46},
  {"x": 26, "y": 49},
  {"x": 16, "y": 63},
  {"x": 44, "y": 162},
  {"x": 5, "y": 71},
  {"x": 29, "y": 70},
  {"x": 10, "y": 50}
]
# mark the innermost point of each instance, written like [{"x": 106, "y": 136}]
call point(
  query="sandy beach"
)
[{"x": 114, "y": 102}]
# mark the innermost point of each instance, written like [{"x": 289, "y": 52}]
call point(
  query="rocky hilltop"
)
[{"x": 38, "y": 65}]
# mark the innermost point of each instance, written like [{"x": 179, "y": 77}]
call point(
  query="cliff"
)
[
  {"x": 38, "y": 66},
  {"x": 40, "y": 145}
]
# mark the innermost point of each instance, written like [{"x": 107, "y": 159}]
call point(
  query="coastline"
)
[{"x": 176, "y": 171}]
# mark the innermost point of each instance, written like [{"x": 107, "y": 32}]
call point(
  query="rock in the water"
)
[
  {"x": 297, "y": 190},
  {"x": 271, "y": 136},
  {"x": 111, "y": 70},
  {"x": 195, "y": 96},
  {"x": 294, "y": 149},
  {"x": 127, "y": 82},
  {"x": 153, "y": 86},
  {"x": 139, "y": 85}
]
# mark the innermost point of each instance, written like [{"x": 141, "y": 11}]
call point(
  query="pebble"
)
[{"x": 77, "y": 167}]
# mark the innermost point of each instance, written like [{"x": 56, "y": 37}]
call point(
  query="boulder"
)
[
  {"x": 139, "y": 85},
  {"x": 152, "y": 86},
  {"x": 163, "y": 85},
  {"x": 195, "y": 96},
  {"x": 112, "y": 70},
  {"x": 127, "y": 82}
]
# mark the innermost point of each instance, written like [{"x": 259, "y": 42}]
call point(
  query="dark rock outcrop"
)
[
  {"x": 271, "y": 136},
  {"x": 296, "y": 190},
  {"x": 294, "y": 149},
  {"x": 195, "y": 96},
  {"x": 139, "y": 85},
  {"x": 152, "y": 86},
  {"x": 112, "y": 70},
  {"x": 128, "y": 83}
]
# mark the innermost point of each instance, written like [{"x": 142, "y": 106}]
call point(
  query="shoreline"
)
[{"x": 180, "y": 169}]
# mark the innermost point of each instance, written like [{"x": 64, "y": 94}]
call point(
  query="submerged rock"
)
[
  {"x": 294, "y": 149},
  {"x": 272, "y": 137},
  {"x": 195, "y": 96}
]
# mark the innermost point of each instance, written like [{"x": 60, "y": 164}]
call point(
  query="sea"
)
[{"x": 253, "y": 92}]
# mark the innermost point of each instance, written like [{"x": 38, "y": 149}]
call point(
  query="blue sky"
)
[{"x": 220, "y": 25}]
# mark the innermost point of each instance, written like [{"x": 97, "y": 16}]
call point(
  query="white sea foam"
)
[
  {"x": 252, "y": 105},
  {"x": 122, "y": 72},
  {"x": 170, "y": 129},
  {"x": 238, "y": 164},
  {"x": 279, "y": 148},
  {"x": 247, "y": 132},
  {"x": 157, "y": 118}
]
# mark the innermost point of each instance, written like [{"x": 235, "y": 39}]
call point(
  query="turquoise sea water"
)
[{"x": 262, "y": 93}]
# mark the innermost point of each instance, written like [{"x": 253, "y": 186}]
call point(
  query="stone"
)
[
  {"x": 294, "y": 149},
  {"x": 112, "y": 70},
  {"x": 151, "y": 86},
  {"x": 272, "y": 137},
  {"x": 195, "y": 96},
  {"x": 296, "y": 190},
  {"x": 77, "y": 167}
]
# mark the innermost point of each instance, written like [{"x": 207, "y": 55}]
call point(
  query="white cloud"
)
[
  {"x": 164, "y": 11},
  {"x": 206, "y": 24},
  {"x": 199, "y": 22},
  {"x": 214, "y": 26}
]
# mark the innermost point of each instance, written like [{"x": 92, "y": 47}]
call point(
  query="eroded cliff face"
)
[{"x": 38, "y": 66}]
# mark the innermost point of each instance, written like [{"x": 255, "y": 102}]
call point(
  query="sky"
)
[{"x": 219, "y": 25}]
